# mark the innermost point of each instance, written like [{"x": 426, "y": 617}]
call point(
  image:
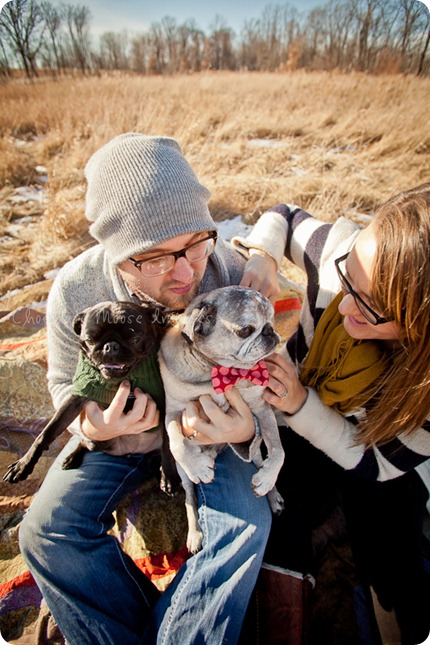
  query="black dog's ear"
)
[
  {"x": 201, "y": 321},
  {"x": 77, "y": 322}
]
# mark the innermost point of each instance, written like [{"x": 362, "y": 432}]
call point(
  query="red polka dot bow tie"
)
[{"x": 224, "y": 378}]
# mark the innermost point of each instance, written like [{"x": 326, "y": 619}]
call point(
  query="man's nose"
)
[{"x": 182, "y": 270}]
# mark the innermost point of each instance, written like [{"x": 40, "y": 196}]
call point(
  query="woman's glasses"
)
[{"x": 370, "y": 315}]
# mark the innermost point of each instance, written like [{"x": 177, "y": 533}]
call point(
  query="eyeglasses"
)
[
  {"x": 370, "y": 315},
  {"x": 160, "y": 264}
]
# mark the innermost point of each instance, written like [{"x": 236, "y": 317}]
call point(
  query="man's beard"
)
[
  {"x": 176, "y": 301},
  {"x": 180, "y": 302},
  {"x": 167, "y": 299}
]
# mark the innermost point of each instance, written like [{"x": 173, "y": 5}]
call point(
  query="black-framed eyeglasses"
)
[
  {"x": 160, "y": 264},
  {"x": 370, "y": 315}
]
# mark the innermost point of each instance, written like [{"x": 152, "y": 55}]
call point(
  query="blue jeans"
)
[{"x": 94, "y": 590}]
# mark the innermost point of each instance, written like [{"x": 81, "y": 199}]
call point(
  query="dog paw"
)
[
  {"x": 16, "y": 472},
  {"x": 276, "y": 501},
  {"x": 194, "y": 541},
  {"x": 262, "y": 482},
  {"x": 202, "y": 474},
  {"x": 170, "y": 485},
  {"x": 201, "y": 470}
]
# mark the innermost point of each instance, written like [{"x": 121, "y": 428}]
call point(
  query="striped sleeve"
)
[{"x": 335, "y": 435}]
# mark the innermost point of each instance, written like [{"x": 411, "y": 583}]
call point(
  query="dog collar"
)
[{"x": 223, "y": 378}]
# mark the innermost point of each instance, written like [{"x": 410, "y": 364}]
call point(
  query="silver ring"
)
[
  {"x": 284, "y": 393},
  {"x": 193, "y": 435}
]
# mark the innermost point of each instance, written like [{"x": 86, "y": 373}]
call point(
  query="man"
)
[{"x": 155, "y": 235}]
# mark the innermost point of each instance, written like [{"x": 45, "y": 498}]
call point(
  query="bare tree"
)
[
  {"x": 22, "y": 27},
  {"x": 140, "y": 53},
  {"x": 220, "y": 42},
  {"x": 113, "y": 50},
  {"x": 78, "y": 18},
  {"x": 53, "y": 22},
  {"x": 423, "y": 54}
]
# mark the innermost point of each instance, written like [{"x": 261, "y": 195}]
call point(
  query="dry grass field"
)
[{"x": 335, "y": 144}]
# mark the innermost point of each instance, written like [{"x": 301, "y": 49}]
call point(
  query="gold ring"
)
[{"x": 193, "y": 435}]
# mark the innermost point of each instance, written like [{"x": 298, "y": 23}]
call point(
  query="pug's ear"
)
[
  {"x": 201, "y": 321},
  {"x": 77, "y": 322}
]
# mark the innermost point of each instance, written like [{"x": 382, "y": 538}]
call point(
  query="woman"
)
[{"x": 357, "y": 416}]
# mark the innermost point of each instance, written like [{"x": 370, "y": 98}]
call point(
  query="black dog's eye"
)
[
  {"x": 245, "y": 332},
  {"x": 135, "y": 340}
]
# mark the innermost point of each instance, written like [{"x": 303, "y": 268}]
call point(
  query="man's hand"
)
[
  {"x": 212, "y": 425},
  {"x": 100, "y": 425},
  {"x": 261, "y": 274}
]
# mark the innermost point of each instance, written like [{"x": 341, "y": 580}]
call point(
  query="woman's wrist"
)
[{"x": 254, "y": 251}]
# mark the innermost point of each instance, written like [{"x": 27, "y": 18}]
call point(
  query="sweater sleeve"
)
[
  {"x": 63, "y": 345},
  {"x": 335, "y": 435}
]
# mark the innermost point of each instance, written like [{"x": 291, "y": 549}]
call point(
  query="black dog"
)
[{"x": 118, "y": 341}]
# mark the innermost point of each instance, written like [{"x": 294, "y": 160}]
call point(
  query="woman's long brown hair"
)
[{"x": 401, "y": 291}]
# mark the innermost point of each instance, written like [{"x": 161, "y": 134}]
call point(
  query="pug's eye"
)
[
  {"x": 135, "y": 340},
  {"x": 245, "y": 332}
]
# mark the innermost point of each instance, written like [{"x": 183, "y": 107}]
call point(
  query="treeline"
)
[{"x": 372, "y": 36}]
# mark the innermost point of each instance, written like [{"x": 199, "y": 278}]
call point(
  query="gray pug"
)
[
  {"x": 118, "y": 341},
  {"x": 227, "y": 327}
]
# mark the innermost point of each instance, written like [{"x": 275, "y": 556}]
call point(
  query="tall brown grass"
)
[{"x": 341, "y": 144}]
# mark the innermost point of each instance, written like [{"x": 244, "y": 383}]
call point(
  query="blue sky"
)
[{"x": 137, "y": 15}]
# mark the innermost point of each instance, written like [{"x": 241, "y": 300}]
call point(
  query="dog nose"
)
[
  {"x": 111, "y": 347},
  {"x": 267, "y": 330}
]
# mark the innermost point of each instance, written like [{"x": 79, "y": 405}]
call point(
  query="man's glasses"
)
[
  {"x": 370, "y": 315},
  {"x": 160, "y": 264}
]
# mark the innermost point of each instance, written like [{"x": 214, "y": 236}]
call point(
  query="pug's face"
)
[
  {"x": 231, "y": 326},
  {"x": 115, "y": 336}
]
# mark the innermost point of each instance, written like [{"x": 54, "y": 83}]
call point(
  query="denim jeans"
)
[{"x": 94, "y": 590}]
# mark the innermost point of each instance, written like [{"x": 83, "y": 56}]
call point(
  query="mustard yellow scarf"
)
[{"x": 341, "y": 369}]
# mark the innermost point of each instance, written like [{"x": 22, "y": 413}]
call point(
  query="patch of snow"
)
[
  {"x": 50, "y": 275},
  {"x": 228, "y": 228},
  {"x": 39, "y": 306},
  {"x": 267, "y": 143},
  {"x": 299, "y": 172},
  {"x": 338, "y": 150},
  {"x": 27, "y": 194},
  {"x": 13, "y": 292}
]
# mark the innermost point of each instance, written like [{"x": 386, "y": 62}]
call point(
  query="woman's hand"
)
[
  {"x": 211, "y": 425},
  {"x": 284, "y": 392},
  {"x": 100, "y": 425},
  {"x": 261, "y": 274}
]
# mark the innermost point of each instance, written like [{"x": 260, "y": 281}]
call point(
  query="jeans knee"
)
[{"x": 28, "y": 536}]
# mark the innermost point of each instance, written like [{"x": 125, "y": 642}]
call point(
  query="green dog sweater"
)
[{"x": 88, "y": 381}]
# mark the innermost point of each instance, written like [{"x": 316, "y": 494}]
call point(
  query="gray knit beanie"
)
[{"x": 141, "y": 192}]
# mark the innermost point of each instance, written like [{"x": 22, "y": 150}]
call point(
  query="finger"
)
[
  {"x": 246, "y": 280},
  {"x": 277, "y": 359},
  {"x": 116, "y": 408},
  {"x": 213, "y": 412},
  {"x": 236, "y": 401},
  {"x": 139, "y": 405},
  {"x": 194, "y": 411},
  {"x": 277, "y": 386}
]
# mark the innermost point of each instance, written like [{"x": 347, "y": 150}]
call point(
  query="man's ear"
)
[{"x": 200, "y": 321}]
